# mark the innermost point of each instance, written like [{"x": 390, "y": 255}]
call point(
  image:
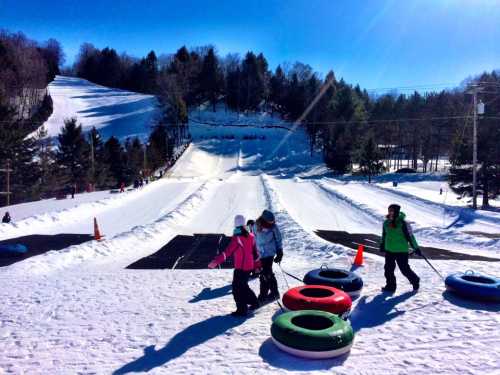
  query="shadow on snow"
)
[
  {"x": 208, "y": 293},
  {"x": 183, "y": 341},
  {"x": 469, "y": 304},
  {"x": 378, "y": 311}
]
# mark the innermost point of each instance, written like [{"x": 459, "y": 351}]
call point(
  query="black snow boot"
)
[
  {"x": 416, "y": 286},
  {"x": 254, "y": 306},
  {"x": 388, "y": 289}
]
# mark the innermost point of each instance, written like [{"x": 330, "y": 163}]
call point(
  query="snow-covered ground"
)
[
  {"x": 79, "y": 311},
  {"x": 112, "y": 111}
]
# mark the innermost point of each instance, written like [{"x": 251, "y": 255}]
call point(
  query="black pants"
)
[
  {"x": 390, "y": 265},
  {"x": 267, "y": 279},
  {"x": 243, "y": 295}
]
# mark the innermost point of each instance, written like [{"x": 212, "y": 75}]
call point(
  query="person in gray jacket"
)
[{"x": 270, "y": 248}]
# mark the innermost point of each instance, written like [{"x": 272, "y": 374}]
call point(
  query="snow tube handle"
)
[
  {"x": 323, "y": 267},
  {"x": 469, "y": 272}
]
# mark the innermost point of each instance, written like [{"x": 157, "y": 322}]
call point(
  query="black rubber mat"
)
[
  {"x": 38, "y": 244},
  {"x": 186, "y": 252},
  {"x": 372, "y": 241}
]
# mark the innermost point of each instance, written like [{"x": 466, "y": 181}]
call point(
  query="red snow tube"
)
[{"x": 318, "y": 297}]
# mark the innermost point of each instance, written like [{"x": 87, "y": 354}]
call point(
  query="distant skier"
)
[
  {"x": 122, "y": 187},
  {"x": 397, "y": 237},
  {"x": 6, "y": 218},
  {"x": 270, "y": 247},
  {"x": 243, "y": 250},
  {"x": 73, "y": 191}
]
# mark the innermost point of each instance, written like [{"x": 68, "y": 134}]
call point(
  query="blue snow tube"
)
[
  {"x": 341, "y": 279},
  {"x": 474, "y": 286},
  {"x": 13, "y": 248}
]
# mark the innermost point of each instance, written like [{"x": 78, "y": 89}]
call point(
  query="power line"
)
[
  {"x": 414, "y": 87},
  {"x": 397, "y": 120}
]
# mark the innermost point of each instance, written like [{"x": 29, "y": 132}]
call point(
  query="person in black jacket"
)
[{"x": 6, "y": 218}]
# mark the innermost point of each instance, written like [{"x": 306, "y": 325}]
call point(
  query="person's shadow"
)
[
  {"x": 190, "y": 337},
  {"x": 209, "y": 293},
  {"x": 378, "y": 311}
]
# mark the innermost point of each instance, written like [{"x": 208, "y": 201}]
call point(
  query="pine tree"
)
[
  {"x": 115, "y": 160},
  {"x": 21, "y": 152},
  {"x": 150, "y": 64},
  {"x": 72, "y": 155},
  {"x": 277, "y": 87},
  {"x": 99, "y": 174},
  {"x": 136, "y": 158},
  {"x": 158, "y": 150},
  {"x": 210, "y": 78},
  {"x": 368, "y": 156}
]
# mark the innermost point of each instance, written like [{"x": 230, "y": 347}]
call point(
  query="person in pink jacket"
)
[{"x": 244, "y": 252}]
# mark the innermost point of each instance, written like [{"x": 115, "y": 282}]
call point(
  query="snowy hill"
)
[
  {"x": 78, "y": 310},
  {"x": 112, "y": 111}
]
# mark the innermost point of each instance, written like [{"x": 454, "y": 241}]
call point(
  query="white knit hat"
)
[{"x": 239, "y": 221}]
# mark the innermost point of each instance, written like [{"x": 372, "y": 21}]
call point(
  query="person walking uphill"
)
[
  {"x": 243, "y": 250},
  {"x": 270, "y": 247},
  {"x": 397, "y": 237},
  {"x": 6, "y": 218}
]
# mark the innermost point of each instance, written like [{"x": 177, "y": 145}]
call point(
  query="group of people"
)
[
  {"x": 140, "y": 182},
  {"x": 259, "y": 244},
  {"x": 254, "y": 245}
]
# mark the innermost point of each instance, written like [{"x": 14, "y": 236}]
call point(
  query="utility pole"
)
[
  {"x": 474, "y": 155},
  {"x": 145, "y": 161},
  {"x": 92, "y": 163},
  {"x": 7, "y": 192},
  {"x": 477, "y": 108}
]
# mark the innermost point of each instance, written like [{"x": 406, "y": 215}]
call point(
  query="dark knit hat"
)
[
  {"x": 268, "y": 216},
  {"x": 396, "y": 208}
]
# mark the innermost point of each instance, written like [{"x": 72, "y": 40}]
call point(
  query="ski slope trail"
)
[
  {"x": 79, "y": 310},
  {"x": 107, "y": 319},
  {"x": 316, "y": 208},
  {"x": 112, "y": 111},
  {"x": 115, "y": 214},
  {"x": 435, "y": 224},
  {"x": 428, "y": 187}
]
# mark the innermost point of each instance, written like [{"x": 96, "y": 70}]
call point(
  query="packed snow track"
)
[{"x": 79, "y": 311}]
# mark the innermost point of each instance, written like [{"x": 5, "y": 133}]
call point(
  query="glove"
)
[
  {"x": 279, "y": 256},
  {"x": 418, "y": 251},
  {"x": 212, "y": 265}
]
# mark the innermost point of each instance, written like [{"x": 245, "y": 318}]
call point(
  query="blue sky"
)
[{"x": 376, "y": 43}]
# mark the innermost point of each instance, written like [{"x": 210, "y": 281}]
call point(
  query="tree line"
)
[
  {"x": 352, "y": 127},
  {"x": 26, "y": 69}
]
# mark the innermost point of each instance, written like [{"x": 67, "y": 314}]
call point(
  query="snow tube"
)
[
  {"x": 475, "y": 286},
  {"x": 318, "y": 297},
  {"x": 312, "y": 334},
  {"x": 13, "y": 248},
  {"x": 344, "y": 280}
]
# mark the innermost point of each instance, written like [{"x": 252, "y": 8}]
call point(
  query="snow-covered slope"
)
[
  {"x": 79, "y": 310},
  {"x": 112, "y": 111}
]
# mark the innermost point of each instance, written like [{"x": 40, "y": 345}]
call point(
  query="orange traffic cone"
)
[
  {"x": 97, "y": 234},
  {"x": 358, "y": 260}
]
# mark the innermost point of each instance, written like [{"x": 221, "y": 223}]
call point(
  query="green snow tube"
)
[{"x": 312, "y": 334}]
